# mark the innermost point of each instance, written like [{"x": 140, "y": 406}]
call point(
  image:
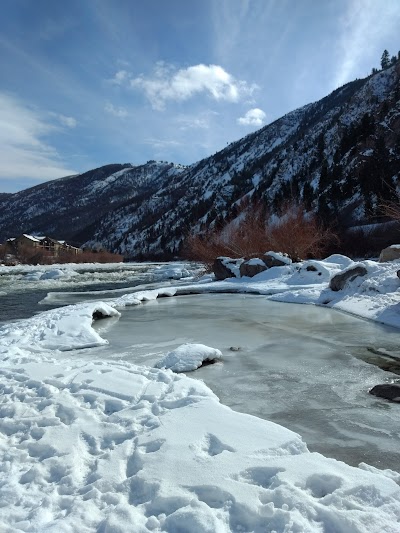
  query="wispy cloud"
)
[
  {"x": 120, "y": 77},
  {"x": 68, "y": 122},
  {"x": 253, "y": 117},
  {"x": 161, "y": 143},
  {"x": 24, "y": 152},
  {"x": 169, "y": 84},
  {"x": 193, "y": 122},
  {"x": 119, "y": 112},
  {"x": 364, "y": 26}
]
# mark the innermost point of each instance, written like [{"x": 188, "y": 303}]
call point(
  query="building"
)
[{"x": 39, "y": 244}]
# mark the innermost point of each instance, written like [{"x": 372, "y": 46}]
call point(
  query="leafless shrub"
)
[
  {"x": 295, "y": 233},
  {"x": 391, "y": 210},
  {"x": 28, "y": 255},
  {"x": 300, "y": 235}
]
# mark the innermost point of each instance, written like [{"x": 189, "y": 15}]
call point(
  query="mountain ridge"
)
[{"x": 339, "y": 157}]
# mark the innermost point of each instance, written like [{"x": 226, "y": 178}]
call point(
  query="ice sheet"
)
[{"x": 297, "y": 365}]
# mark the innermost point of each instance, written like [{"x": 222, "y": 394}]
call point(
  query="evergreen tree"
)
[
  {"x": 393, "y": 60},
  {"x": 324, "y": 176},
  {"x": 308, "y": 195},
  {"x": 321, "y": 146},
  {"x": 385, "y": 59}
]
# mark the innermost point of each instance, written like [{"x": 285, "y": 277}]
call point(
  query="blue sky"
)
[{"x": 90, "y": 82}]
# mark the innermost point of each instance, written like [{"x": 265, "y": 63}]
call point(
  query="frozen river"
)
[
  {"x": 300, "y": 366},
  {"x": 100, "y": 440},
  {"x": 296, "y": 365}
]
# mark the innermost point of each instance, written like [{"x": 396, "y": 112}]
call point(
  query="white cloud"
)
[
  {"x": 161, "y": 143},
  {"x": 121, "y": 77},
  {"x": 253, "y": 117},
  {"x": 119, "y": 112},
  {"x": 69, "y": 122},
  {"x": 23, "y": 151},
  {"x": 168, "y": 83},
  {"x": 193, "y": 122}
]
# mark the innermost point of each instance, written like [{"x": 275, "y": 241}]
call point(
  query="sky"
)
[{"x": 90, "y": 82}]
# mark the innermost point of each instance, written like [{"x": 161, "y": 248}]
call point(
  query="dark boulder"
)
[
  {"x": 252, "y": 267},
  {"x": 389, "y": 391},
  {"x": 338, "y": 282},
  {"x": 276, "y": 260},
  {"x": 391, "y": 253},
  {"x": 225, "y": 267}
]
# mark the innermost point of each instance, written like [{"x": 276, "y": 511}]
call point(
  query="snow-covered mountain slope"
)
[
  {"x": 72, "y": 207},
  {"x": 339, "y": 156}
]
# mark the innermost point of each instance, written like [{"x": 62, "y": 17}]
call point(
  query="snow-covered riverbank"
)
[{"x": 114, "y": 447}]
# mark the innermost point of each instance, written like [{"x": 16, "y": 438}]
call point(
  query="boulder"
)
[
  {"x": 338, "y": 282},
  {"x": 273, "y": 259},
  {"x": 389, "y": 391},
  {"x": 391, "y": 253},
  {"x": 252, "y": 267},
  {"x": 225, "y": 267}
]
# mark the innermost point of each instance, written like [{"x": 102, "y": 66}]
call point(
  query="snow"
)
[
  {"x": 115, "y": 447},
  {"x": 281, "y": 257},
  {"x": 31, "y": 238},
  {"x": 56, "y": 273},
  {"x": 255, "y": 262},
  {"x": 188, "y": 357}
]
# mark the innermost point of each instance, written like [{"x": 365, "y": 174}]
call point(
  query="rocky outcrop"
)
[
  {"x": 389, "y": 391},
  {"x": 339, "y": 281},
  {"x": 391, "y": 253},
  {"x": 252, "y": 267},
  {"x": 272, "y": 259},
  {"x": 225, "y": 267}
]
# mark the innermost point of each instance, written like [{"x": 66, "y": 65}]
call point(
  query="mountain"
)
[
  {"x": 73, "y": 207},
  {"x": 339, "y": 156}
]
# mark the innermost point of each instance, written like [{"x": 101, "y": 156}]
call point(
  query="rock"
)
[
  {"x": 398, "y": 273},
  {"x": 338, "y": 282},
  {"x": 391, "y": 253},
  {"x": 389, "y": 391},
  {"x": 273, "y": 259},
  {"x": 311, "y": 268},
  {"x": 252, "y": 267},
  {"x": 225, "y": 267}
]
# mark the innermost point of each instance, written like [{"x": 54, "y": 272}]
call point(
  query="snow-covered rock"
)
[
  {"x": 188, "y": 357},
  {"x": 391, "y": 253},
  {"x": 226, "y": 267},
  {"x": 339, "y": 281},
  {"x": 252, "y": 267},
  {"x": 273, "y": 259}
]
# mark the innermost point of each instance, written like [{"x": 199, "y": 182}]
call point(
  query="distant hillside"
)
[{"x": 339, "y": 156}]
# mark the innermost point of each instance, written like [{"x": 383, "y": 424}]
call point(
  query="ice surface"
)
[{"x": 297, "y": 365}]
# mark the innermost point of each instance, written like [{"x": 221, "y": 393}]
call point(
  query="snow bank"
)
[
  {"x": 188, "y": 357},
  {"x": 65, "y": 328},
  {"x": 114, "y": 447}
]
